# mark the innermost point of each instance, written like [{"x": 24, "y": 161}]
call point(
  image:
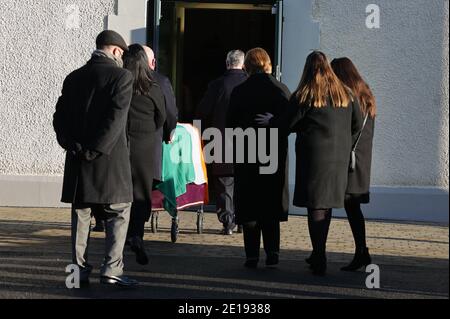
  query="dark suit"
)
[
  {"x": 90, "y": 122},
  {"x": 213, "y": 110},
  {"x": 163, "y": 133}
]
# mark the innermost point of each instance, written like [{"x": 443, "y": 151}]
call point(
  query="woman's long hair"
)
[
  {"x": 319, "y": 83},
  {"x": 347, "y": 72},
  {"x": 136, "y": 61}
]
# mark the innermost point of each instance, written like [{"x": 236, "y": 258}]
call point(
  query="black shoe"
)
[
  {"x": 137, "y": 246},
  {"x": 251, "y": 263},
  {"x": 240, "y": 229},
  {"x": 361, "y": 259},
  {"x": 310, "y": 259},
  {"x": 272, "y": 261},
  {"x": 99, "y": 226},
  {"x": 318, "y": 265},
  {"x": 119, "y": 281}
]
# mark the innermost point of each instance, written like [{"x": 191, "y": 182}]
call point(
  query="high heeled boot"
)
[{"x": 361, "y": 259}]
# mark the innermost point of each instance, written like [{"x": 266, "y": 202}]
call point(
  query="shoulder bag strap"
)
[{"x": 360, "y": 132}]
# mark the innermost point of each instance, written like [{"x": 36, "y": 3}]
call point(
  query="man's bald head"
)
[{"x": 151, "y": 57}]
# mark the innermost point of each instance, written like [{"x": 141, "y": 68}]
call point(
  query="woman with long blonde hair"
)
[
  {"x": 325, "y": 117},
  {"x": 359, "y": 178}
]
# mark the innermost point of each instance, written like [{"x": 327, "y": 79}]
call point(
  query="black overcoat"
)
[
  {"x": 92, "y": 112},
  {"x": 323, "y": 146},
  {"x": 147, "y": 114},
  {"x": 213, "y": 110},
  {"x": 163, "y": 133},
  {"x": 359, "y": 179},
  {"x": 260, "y": 197}
]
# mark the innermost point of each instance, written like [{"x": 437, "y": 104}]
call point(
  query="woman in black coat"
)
[
  {"x": 261, "y": 200},
  {"x": 146, "y": 116},
  {"x": 325, "y": 118},
  {"x": 358, "y": 179}
]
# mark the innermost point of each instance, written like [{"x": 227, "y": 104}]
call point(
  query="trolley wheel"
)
[
  {"x": 200, "y": 219},
  {"x": 154, "y": 222},
  {"x": 174, "y": 230}
]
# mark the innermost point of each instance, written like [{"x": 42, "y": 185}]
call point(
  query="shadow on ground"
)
[{"x": 32, "y": 265}]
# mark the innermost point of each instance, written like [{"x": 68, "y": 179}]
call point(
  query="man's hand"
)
[
  {"x": 90, "y": 155},
  {"x": 75, "y": 149},
  {"x": 263, "y": 119},
  {"x": 170, "y": 139},
  {"x": 84, "y": 155}
]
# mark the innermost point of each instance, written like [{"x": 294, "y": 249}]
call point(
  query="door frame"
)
[{"x": 275, "y": 6}]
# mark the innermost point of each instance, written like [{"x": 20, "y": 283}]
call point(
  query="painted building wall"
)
[
  {"x": 38, "y": 51},
  {"x": 405, "y": 62}
]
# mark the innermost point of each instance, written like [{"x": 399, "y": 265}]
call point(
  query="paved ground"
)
[{"x": 35, "y": 248}]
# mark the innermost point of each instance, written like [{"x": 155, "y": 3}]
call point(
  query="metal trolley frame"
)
[{"x": 174, "y": 229}]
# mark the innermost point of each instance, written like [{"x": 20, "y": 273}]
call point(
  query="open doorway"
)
[{"x": 193, "y": 39}]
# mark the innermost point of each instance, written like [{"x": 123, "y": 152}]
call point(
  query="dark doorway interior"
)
[
  {"x": 193, "y": 44},
  {"x": 209, "y": 35},
  {"x": 192, "y": 49}
]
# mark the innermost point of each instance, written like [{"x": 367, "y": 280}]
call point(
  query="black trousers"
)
[
  {"x": 224, "y": 188},
  {"x": 140, "y": 214},
  {"x": 252, "y": 238}
]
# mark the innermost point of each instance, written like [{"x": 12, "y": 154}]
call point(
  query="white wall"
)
[
  {"x": 37, "y": 52},
  {"x": 41, "y": 42},
  {"x": 405, "y": 62}
]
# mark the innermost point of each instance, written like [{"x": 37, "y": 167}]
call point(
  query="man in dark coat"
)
[
  {"x": 213, "y": 111},
  {"x": 90, "y": 122},
  {"x": 163, "y": 133}
]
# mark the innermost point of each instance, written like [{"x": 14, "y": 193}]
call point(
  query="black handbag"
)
[{"x": 352, "y": 166}]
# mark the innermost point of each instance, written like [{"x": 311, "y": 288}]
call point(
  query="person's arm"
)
[
  {"x": 61, "y": 118},
  {"x": 171, "y": 110},
  {"x": 231, "y": 118},
  {"x": 357, "y": 119},
  {"x": 160, "y": 112},
  {"x": 288, "y": 121},
  {"x": 109, "y": 129},
  {"x": 207, "y": 104}
]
